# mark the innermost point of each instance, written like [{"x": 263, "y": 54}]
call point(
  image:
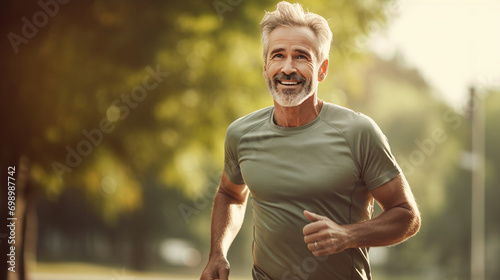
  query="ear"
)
[
  {"x": 264, "y": 72},
  {"x": 323, "y": 70}
]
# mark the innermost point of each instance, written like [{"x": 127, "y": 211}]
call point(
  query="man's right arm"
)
[{"x": 227, "y": 217}]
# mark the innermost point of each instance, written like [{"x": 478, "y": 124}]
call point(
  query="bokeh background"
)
[{"x": 114, "y": 114}]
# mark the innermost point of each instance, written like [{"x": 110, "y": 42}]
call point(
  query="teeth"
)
[{"x": 289, "y": 83}]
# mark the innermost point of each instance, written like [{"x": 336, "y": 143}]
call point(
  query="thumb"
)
[{"x": 313, "y": 217}]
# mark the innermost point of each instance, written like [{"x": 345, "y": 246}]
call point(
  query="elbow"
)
[
  {"x": 412, "y": 221},
  {"x": 418, "y": 222},
  {"x": 415, "y": 223}
]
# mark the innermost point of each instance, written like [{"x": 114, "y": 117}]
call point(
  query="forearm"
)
[
  {"x": 227, "y": 217},
  {"x": 389, "y": 228},
  {"x": 399, "y": 221}
]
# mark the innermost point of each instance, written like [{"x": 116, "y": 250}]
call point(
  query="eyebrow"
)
[
  {"x": 303, "y": 52},
  {"x": 278, "y": 50}
]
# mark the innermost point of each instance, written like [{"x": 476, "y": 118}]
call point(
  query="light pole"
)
[{"x": 478, "y": 189}]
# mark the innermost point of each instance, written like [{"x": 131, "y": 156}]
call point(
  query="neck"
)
[{"x": 298, "y": 115}]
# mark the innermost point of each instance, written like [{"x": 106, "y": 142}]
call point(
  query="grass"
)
[
  {"x": 78, "y": 271},
  {"x": 73, "y": 270}
]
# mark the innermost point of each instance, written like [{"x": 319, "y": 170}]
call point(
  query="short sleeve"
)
[
  {"x": 376, "y": 162},
  {"x": 231, "y": 162}
]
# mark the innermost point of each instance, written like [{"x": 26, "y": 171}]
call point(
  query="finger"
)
[
  {"x": 312, "y": 246},
  {"x": 313, "y": 237},
  {"x": 316, "y": 243},
  {"x": 326, "y": 243},
  {"x": 325, "y": 247},
  {"x": 313, "y": 217},
  {"x": 314, "y": 227},
  {"x": 326, "y": 251},
  {"x": 321, "y": 252}
]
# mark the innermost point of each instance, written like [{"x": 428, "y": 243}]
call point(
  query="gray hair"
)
[{"x": 292, "y": 15}]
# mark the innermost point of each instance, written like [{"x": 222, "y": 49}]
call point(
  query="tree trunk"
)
[{"x": 21, "y": 219}]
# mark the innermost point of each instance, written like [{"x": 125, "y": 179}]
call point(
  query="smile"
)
[{"x": 289, "y": 83}]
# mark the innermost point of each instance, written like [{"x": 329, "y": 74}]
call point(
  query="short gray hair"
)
[{"x": 292, "y": 15}]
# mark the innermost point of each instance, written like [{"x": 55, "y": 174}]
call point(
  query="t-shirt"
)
[{"x": 327, "y": 166}]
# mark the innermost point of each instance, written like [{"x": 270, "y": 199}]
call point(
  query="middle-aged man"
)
[{"x": 313, "y": 170}]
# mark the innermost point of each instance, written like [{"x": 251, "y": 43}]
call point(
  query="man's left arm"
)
[{"x": 399, "y": 221}]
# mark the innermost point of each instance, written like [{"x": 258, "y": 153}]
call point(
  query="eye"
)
[
  {"x": 300, "y": 56},
  {"x": 278, "y": 55}
]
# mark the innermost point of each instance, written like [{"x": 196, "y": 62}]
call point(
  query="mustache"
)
[{"x": 293, "y": 76}]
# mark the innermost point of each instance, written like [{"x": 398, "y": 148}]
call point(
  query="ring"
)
[{"x": 316, "y": 245}]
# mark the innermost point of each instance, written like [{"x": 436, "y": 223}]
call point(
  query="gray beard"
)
[{"x": 289, "y": 98}]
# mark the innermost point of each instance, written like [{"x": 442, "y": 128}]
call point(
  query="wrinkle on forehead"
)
[{"x": 297, "y": 38}]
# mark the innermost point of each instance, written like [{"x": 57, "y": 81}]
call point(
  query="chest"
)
[{"x": 280, "y": 167}]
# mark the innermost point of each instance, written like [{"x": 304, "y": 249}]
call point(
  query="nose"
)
[{"x": 288, "y": 67}]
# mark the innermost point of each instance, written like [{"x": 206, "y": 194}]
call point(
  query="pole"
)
[{"x": 478, "y": 192}]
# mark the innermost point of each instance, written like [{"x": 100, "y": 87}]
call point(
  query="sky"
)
[{"x": 453, "y": 43}]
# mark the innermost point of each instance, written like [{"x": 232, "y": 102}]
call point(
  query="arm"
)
[
  {"x": 399, "y": 221},
  {"x": 227, "y": 217}
]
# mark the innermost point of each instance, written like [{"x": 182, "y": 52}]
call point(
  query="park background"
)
[{"x": 114, "y": 114}]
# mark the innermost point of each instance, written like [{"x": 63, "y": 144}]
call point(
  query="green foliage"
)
[
  {"x": 78, "y": 68},
  {"x": 81, "y": 71}
]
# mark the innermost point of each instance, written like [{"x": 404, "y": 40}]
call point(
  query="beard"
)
[{"x": 289, "y": 97}]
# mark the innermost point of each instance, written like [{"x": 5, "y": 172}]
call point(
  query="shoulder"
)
[
  {"x": 369, "y": 146},
  {"x": 349, "y": 122},
  {"x": 246, "y": 123}
]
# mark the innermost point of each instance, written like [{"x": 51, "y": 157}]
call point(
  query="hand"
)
[
  {"x": 216, "y": 269},
  {"x": 323, "y": 236}
]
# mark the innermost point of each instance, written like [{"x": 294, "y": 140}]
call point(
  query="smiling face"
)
[{"x": 291, "y": 69}]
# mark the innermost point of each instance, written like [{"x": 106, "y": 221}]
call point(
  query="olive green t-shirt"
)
[{"x": 327, "y": 166}]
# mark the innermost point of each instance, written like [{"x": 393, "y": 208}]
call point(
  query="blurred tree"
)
[
  {"x": 427, "y": 146},
  {"x": 431, "y": 141},
  {"x": 408, "y": 112},
  {"x": 113, "y": 97}
]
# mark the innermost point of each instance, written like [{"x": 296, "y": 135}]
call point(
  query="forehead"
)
[{"x": 292, "y": 38}]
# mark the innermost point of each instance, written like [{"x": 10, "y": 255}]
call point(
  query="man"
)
[{"x": 313, "y": 170}]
